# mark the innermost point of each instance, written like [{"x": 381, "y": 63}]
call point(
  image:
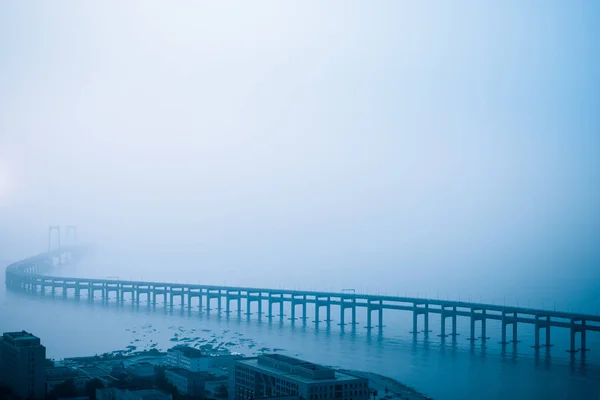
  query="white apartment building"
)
[{"x": 189, "y": 359}]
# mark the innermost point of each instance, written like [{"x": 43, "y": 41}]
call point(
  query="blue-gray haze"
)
[{"x": 445, "y": 149}]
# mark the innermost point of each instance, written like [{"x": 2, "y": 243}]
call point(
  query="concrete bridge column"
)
[
  {"x": 154, "y": 297},
  {"x": 317, "y": 311},
  {"x": 572, "y": 349},
  {"x": 426, "y": 319},
  {"x": 504, "y": 323},
  {"x": 259, "y": 305},
  {"x": 328, "y": 309},
  {"x": 281, "y": 305},
  {"x": 583, "y": 339},
  {"x": 454, "y": 334},
  {"x": 443, "y": 323},
  {"x": 369, "y": 310},
  {"x": 189, "y": 299},
  {"x": 548, "y": 332},
  {"x": 415, "y": 320},
  {"x": 354, "y": 311},
  {"x": 342, "y": 312},
  {"x": 227, "y": 300},
  {"x": 304, "y": 308},
  {"x": 537, "y": 334},
  {"x": 77, "y": 292},
  {"x": 483, "y": 326},
  {"x": 515, "y": 324},
  {"x": 293, "y": 316}
]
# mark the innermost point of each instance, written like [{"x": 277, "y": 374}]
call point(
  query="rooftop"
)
[
  {"x": 23, "y": 335},
  {"x": 186, "y": 373},
  {"x": 20, "y": 339},
  {"x": 293, "y": 373}
]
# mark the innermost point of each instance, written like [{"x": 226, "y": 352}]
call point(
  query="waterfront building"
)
[
  {"x": 188, "y": 358},
  {"x": 22, "y": 361},
  {"x": 276, "y": 375},
  {"x": 186, "y": 382}
]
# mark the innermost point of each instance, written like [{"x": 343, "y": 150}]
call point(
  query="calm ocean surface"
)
[{"x": 444, "y": 371}]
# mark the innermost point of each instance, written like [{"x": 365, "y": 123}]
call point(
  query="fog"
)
[{"x": 440, "y": 149}]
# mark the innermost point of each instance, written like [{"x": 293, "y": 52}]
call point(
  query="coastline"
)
[{"x": 396, "y": 390}]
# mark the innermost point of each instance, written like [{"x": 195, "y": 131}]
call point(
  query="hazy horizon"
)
[{"x": 403, "y": 146}]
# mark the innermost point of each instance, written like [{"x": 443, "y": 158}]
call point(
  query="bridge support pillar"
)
[
  {"x": 573, "y": 333},
  {"x": 548, "y": 332},
  {"x": 259, "y": 305},
  {"x": 454, "y": 334},
  {"x": 483, "y": 326},
  {"x": 472, "y": 337},
  {"x": 514, "y": 329},
  {"x": 304, "y": 308},
  {"x": 415, "y": 322}
]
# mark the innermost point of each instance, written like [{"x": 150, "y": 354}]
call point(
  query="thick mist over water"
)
[{"x": 399, "y": 147}]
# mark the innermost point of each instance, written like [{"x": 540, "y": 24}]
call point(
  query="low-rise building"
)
[
  {"x": 186, "y": 382},
  {"x": 276, "y": 375},
  {"x": 188, "y": 358}
]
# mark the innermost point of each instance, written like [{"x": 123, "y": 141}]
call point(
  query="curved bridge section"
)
[{"x": 33, "y": 274}]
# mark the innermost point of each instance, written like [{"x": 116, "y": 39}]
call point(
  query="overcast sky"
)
[{"x": 407, "y": 140}]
